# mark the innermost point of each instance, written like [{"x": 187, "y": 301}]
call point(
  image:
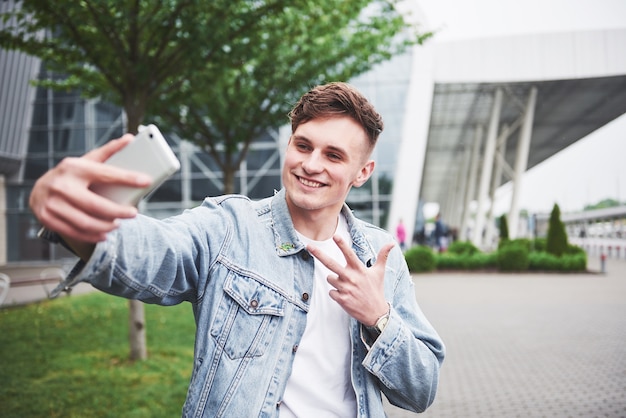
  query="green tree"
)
[
  {"x": 556, "y": 241},
  {"x": 213, "y": 62},
  {"x": 606, "y": 203},
  {"x": 224, "y": 108},
  {"x": 130, "y": 53}
]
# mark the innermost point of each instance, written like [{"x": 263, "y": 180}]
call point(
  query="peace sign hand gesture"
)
[{"x": 359, "y": 290}]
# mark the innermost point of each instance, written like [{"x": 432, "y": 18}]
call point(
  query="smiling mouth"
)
[{"x": 309, "y": 183}]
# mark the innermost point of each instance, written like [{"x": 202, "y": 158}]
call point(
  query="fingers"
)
[
  {"x": 67, "y": 227},
  {"x": 348, "y": 252},
  {"x": 326, "y": 260},
  {"x": 59, "y": 212},
  {"x": 359, "y": 290},
  {"x": 103, "y": 153},
  {"x": 63, "y": 201},
  {"x": 91, "y": 168},
  {"x": 352, "y": 259}
]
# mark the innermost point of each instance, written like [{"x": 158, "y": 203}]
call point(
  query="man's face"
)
[{"x": 324, "y": 159}]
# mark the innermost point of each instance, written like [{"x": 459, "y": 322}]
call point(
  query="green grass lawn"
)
[{"x": 69, "y": 358}]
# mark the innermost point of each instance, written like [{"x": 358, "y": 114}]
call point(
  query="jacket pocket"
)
[{"x": 248, "y": 314}]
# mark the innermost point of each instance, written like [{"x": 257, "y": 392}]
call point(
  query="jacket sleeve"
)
[
  {"x": 407, "y": 356},
  {"x": 156, "y": 261}
]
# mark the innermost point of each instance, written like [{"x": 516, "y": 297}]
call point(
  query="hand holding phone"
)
[{"x": 148, "y": 153}]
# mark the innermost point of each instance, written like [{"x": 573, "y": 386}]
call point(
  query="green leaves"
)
[{"x": 234, "y": 68}]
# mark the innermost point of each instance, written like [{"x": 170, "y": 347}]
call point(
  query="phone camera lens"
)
[{"x": 151, "y": 136}]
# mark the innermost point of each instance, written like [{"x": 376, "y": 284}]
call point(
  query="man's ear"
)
[{"x": 364, "y": 174}]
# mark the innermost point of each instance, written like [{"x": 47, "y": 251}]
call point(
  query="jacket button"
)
[
  {"x": 305, "y": 297},
  {"x": 278, "y": 404},
  {"x": 254, "y": 303},
  {"x": 305, "y": 255},
  {"x": 294, "y": 348}
]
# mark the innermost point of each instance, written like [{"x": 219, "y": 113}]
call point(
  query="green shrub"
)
[
  {"x": 574, "y": 262},
  {"x": 477, "y": 261},
  {"x": 462, "y": 247},
  {"x": 513, "y": 257},
  {"x": 504, "y": 228},
  {"x": 556, "y": 241},
  {"x": 543, "y": 261},
  {"x": 524, "y": 242},
  {"x": 575, "y": 249},
  {"x": 449, "y": 261},
  {"x": 420, "y": 258},
  {"x": 487, "y": 260},
  {"x": 482, "y": 261},
  {"x": 539, "y": 244}
]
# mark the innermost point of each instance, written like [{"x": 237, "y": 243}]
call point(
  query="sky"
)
[{"x": 596, "y": 164}]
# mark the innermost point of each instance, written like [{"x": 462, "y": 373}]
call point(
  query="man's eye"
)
[{"x": 334, "y": 156}]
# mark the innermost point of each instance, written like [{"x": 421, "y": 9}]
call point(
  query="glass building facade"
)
[{"x": 64, "y": 125}]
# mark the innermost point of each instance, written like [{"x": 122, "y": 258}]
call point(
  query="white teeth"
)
[{"x": 310, "y": 183}]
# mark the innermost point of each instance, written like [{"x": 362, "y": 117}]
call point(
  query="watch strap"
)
[{"x": 380, "y": 324}]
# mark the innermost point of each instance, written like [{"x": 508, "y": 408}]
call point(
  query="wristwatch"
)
[{"x": 380, "y": 324}]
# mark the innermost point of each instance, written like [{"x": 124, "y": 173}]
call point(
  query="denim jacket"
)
[{"x": 248, "y": 277}]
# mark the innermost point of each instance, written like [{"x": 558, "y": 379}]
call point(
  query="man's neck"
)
[{"x": 316, "y": 225}]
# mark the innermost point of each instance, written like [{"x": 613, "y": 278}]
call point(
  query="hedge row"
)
[{"x": 511, "y": 255}]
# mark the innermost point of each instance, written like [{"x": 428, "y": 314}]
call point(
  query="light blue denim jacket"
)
[{"x": 249, "y": 279}]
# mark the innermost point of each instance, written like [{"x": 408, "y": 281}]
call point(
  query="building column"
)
[
  {"x": 463, "y": 176},
  {"x": 454, "y": 200},
  {"x": 412, "y": 150},
  {"x": 3, "y": 222},
  {"x": 521, "y": 161},
  {"x": 485, "y": 177},
  {"x": 495, "y": 182},
  {"x": 185, "y": 151},
  {"x": 471, "y": 183}
]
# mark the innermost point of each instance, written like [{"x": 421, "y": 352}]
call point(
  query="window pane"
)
[{"x": 35, "y": 168}]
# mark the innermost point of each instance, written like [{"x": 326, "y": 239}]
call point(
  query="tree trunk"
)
[
  {"x": 136, "y": 316},
  {"x": 229, "y": 180},
  {"x": 137, "y": 330}
]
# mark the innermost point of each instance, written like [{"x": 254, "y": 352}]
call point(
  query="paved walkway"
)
[
  {"x": 526, "y": 345},
  {"x": 31, "y": 283}
]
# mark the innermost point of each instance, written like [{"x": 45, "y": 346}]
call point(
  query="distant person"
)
[
  {"x": 401, "y": 234},
  {"x": 441, "y": 234},
  {"x": 419, "y": 236},
  {"x": 301, "y": 309}
]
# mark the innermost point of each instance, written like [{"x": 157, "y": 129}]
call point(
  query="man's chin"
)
[{"x": 303, "y": 201}]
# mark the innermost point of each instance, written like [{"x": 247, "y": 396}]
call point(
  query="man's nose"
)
[{"x": 313, "y": 163}]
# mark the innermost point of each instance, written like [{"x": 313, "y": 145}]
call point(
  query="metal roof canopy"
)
[{"x": 566, "y": 111}]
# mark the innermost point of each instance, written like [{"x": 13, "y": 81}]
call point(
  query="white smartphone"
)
[{"x": 148, "y": 153}]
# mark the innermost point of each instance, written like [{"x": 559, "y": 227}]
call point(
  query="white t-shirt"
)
[{"x": 320, "y": 385}]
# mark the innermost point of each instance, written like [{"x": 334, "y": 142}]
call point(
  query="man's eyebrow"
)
[
  {"x": 332, "y": 148},
  {"x": 300, "y": 138},
  {"x": 338, "y": 150}
]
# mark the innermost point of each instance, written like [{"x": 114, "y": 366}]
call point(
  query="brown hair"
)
[{"x": 334, "y": 100}]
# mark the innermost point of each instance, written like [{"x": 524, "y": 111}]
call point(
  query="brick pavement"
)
[{"x": 528, "y": 345}]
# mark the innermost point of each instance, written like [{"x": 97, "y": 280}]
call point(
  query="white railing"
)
[{"x": 609, "y": 247}]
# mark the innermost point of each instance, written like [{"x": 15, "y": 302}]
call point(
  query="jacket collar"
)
[{"x": 286, "y": 239}]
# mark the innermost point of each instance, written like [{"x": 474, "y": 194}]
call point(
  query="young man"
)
[{"x": 302, "y": 310}]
